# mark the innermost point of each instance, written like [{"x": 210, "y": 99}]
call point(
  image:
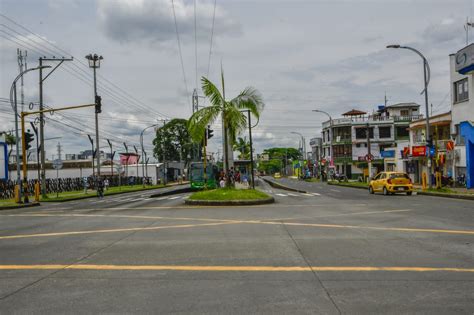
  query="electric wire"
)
[{"x": 179, "y": 50}]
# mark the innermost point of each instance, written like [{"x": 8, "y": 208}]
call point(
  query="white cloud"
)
[{"x": 153, "y": 21}]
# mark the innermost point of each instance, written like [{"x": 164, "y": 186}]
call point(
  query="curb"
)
[
  {"x": 229, "y": 202},
  {"x": 278, "y": 185},
  {"x": 342, "y": 185},
  {"x": 29, "y": 205},
  {"x": 426, "y": 193},
  {"x": 453, "y": 196}
]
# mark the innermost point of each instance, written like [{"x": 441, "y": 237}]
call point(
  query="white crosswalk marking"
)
[
  {"x": 172, "y": 198},
  {"x": 315, "y": 194},
  {"x": 282, "y": 195},
  {"x": 290, "y": 194}
]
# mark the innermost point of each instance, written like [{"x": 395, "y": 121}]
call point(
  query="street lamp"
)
[
  {"x": 94, "y": 63},
  {"x": 426, "y": 74},
  {"x": 143, "y": 150},
  {"x": 330, "y": 133},
  {"x": 13, "y": 102},
  {"x": 302, "y": 148}
]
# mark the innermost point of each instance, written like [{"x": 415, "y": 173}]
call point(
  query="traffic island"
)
[{"x": 229, "y": 197}]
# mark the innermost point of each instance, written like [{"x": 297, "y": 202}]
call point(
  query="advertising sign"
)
[
  {"x": 388, "y": 154},
  {"x": 419, "y": 150},
  {"x": 3, "y": 161},
  {"x": 464, "y": 60}
]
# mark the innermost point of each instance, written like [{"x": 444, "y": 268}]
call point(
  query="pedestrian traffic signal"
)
[
  {"x": 209, "y": 132},
  {"x": 98, "y": 104},
  {"x": 29, "y": 137}
]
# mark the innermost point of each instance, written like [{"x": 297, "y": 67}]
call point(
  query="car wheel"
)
[
  {"x": 409, "y": 193},
  {"x": 385, "y": 191},
  {"x": 371, "y": 190}
]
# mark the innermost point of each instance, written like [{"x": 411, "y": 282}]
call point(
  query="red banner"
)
[
  {"x": 129, "y": 158},
  {"x": 419, "y": 150}
]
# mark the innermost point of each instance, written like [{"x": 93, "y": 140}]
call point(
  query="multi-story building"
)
[
  {"x": 387, "y": 130},
  {"x": 462, "y": 111},
  {"x": 416, "y": 160}
]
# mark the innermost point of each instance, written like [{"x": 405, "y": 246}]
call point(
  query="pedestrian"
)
[
  {"x": 100, "y": 188},
  {"x": 222, "y": 182},
  {"x": 106, "y": 184}
]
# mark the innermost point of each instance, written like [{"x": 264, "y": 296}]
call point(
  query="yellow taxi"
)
[
  {"x": 391, "y": 183},
  {"x": 277, "y": 175}
]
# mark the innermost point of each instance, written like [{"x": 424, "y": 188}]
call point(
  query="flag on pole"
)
[{"x": 129, "y": 158}]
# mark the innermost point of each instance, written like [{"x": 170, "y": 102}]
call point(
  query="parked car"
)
[
  {"x": 391, "y": 183},
  {"x": 277, "y": 175}
]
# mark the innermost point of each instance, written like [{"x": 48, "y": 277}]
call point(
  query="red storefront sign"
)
[{"x": 419, "y": 150}]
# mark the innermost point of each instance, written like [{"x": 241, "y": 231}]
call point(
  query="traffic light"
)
[
  {"x": 98, "y": 104},
  {"x": 209, "y": 132},
  {"x": 29, "y": 137}
]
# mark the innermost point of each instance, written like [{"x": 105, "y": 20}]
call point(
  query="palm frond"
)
[
  {"x": 211, "y": 92},
  {"x": 236, "y": 121},
  {"x": 200, "y": 120},
  {"x": 249, "y": 99}
]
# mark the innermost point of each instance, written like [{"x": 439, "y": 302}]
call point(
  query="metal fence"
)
[{"x": 54, "y": 185}]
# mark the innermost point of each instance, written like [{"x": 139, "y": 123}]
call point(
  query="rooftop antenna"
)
[{"x": 466, "y": 28}]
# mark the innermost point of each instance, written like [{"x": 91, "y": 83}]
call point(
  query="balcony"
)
[{"x": 370, "y": 119}]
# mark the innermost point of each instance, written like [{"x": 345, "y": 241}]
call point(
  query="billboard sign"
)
[
  {"x": 419, "y": 150},
  {"x": 387, "y": 154},
  {"x": 3, "y": 161},
  {"x": 464, "y": 60}
]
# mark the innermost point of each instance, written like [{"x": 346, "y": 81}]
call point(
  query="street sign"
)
[
  {"x": 418, "y": 150},
  {"x": 57, "y": 164},
  {"x": 369, "y": 157},
  {"x": 3, "y": 161}
]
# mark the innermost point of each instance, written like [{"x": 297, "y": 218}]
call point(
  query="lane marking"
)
[
  {"x": 173, "y": 198},
  {"x": 113, "y": 230},
  {"x": 281, "y": 195},
  {"x": 294, "y": 195},
  {"x": 335, "y": 190},
  {"x": 237, "y": 268},
  {"x": 315, "y": 194}
]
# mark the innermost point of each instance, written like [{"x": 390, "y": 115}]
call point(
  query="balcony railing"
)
[{"x": 370, "y": 118}]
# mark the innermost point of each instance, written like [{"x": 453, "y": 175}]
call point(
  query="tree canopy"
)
[{"x": 173, "y": 141}]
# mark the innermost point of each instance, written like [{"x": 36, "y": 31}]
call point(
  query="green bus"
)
[{"x": 196, "y": 175}]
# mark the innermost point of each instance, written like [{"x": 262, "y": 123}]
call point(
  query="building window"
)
[
  {"x": 402, "y": 132},
  {"x": 461, "y": 91},
  {"x": 385, "y": 132},
  {"x": 459, "y": 138},
  {"x": 404, "y": 112},
  {"x": 341, "y": 151},
  {"x": 361, "y": 133}
]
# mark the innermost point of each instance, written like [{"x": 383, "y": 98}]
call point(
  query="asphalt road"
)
[{"x": 334, "y": 250}]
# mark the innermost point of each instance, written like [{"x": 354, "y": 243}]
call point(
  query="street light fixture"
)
[
  {"x": 330, "y": 134},
  {"x": 13, "y": 102},
  {"x": 94, "y": 63},
  {"x": 143, "y": 151},
  {"x": 426, "y": 75}
]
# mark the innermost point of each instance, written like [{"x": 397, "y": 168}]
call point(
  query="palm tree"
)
[
  {"x": 233, "y": 120},
  {"x": 243, "y": 146}
]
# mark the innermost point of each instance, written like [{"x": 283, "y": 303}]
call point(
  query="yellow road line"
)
[
  {"x": 113, "y": 230},
  {"x": 237, "y": 268}
]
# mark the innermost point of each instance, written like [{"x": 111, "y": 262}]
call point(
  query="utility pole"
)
[
  {"x": 22, "y": 66},
  {"x": 41, "y": 108},
  {"x": 165, "y": 169},
  {"x": 92, "y": 146},
  {"x": 94, "y": 63}
]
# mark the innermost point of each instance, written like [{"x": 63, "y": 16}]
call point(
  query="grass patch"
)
[
  {"x": 75, "y": 195},
  {"x": 226, "y": 194},
  {"x": 8, "y": 203}
]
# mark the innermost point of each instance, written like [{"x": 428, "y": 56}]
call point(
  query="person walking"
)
[{"x": 100, "y": 188}]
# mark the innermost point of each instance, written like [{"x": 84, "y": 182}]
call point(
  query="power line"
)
[
  {"x": 179, "y": 49},
  {"x": 195, "y": 43},
  {"x": 212, "y": 35}
]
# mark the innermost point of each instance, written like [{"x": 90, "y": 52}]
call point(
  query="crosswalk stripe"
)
[
  {"x": 289, "y": 194},
  {"x": 282, "y": 195},
  {"x": 172, "y": 198}
]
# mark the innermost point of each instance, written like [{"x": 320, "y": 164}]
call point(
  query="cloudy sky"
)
[{"x": 301, "y": 55}]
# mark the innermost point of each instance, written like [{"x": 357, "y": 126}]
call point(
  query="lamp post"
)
[
  {"x": 94, "y": 63},
  {"x": 13, "y": 102},
  {"x": 426, "y": 75},
  {"x": 143, "y": 150},
  {"x": 251, "y": 146},
  {"x": 92, "y": 146},
  {"x": 302, "y": 147}
]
